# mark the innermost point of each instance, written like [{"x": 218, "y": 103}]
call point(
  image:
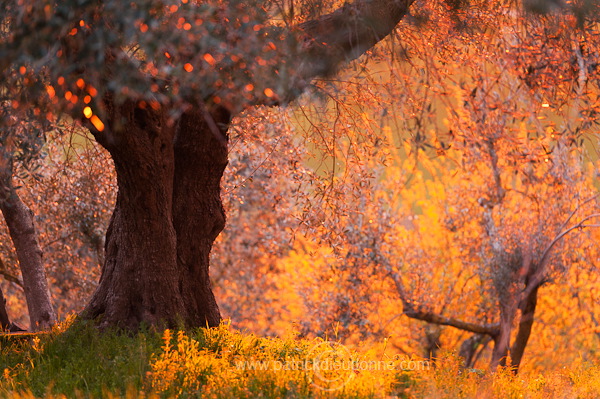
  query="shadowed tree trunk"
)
[
  {"x": 167, "y": 216},
  {"x": 502, "y": 340},
  {"x": 4, "y": 320},
  {"x": 139, "y": 281},
  {"x": 201, "y": 158},
  {"x": 525, "y": 325},
  {"x": 168, "y": 210},
  {"x": 471, "y": 349}
]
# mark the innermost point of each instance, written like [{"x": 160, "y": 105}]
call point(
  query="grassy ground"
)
[{"x": 223, "y": 363}]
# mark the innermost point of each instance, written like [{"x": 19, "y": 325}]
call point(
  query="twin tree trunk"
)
[
  {"x": 168, "y": 211},
  {"x": 167, "y": 215}
]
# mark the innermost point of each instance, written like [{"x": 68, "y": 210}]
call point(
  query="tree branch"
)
[
  {"x": 419, "y": 314},
  {"x": 334, "y": 39},
  {"x": 566, "y": 222},
  {"x": 539, "y": 276}
]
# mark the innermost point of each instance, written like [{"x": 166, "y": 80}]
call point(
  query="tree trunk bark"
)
[
  {"x": 168, "y": 214},
  {"x": 19, "y": 219},
  {"x": 139, "y": 281},
  {"x": 198, "y": 215}
]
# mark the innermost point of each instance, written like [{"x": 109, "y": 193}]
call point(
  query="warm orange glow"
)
[
  {"x": 50, "y": 90},
  {"x": 209, "y": 58},
  {"x": 425, "y": 168},
  {"x": 73, "y": 32},
  {"x": 97, "y": 123},
  {"x": 269, "y": 92}
]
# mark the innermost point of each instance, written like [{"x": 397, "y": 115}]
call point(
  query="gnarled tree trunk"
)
[
  {"x": 139, "y": 281},
  {"x": 168, "y": 211},
  {"x": 167, "y": 216}
]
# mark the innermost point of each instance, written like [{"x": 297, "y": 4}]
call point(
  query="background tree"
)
[
  {"x": 70, "y": 190},
  {"x": 18, "y": 143}
]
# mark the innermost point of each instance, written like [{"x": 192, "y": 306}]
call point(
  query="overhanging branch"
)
[
  {"x": 328, "y": 42},
  {"x": 430, "y": 317},
  {"x": 539, "y": 277},
  {"x": 417, "y": 313}
]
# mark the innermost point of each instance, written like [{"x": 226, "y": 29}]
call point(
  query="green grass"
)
[
  {"x": 78, "y": 361},
  {"x": 224, "y": 363}
]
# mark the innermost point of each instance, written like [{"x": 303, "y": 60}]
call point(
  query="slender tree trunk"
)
[
  {"x": 502, "y": 340},
  {"x": 19, "y": 219},
  {"x": 525, "y": 326},
  {"x": 471, "y": 347}
]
